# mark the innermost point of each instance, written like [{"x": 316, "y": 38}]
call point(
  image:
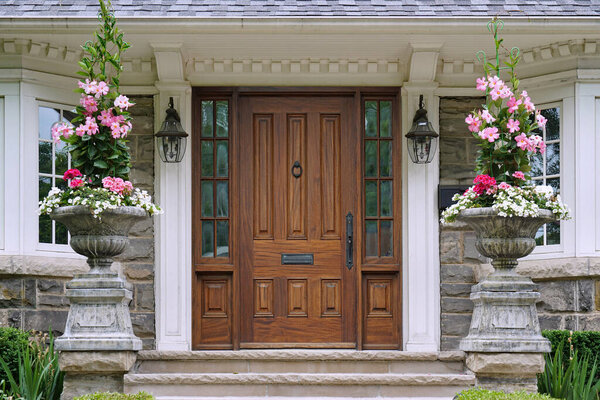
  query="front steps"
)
[{"x": 287, "y": 374}]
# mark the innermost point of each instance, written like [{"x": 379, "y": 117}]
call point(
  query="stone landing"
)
[{"x": 284, "y": 374}]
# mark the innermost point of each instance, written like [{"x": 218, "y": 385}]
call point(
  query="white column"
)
[{"x": 173, "y": 235}]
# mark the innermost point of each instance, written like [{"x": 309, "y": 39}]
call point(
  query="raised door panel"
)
[
  {"x": 297, "y": 212},
  {"x": 263, "y": 175},
  {"x": 330, "y": 175},
  {"x": 213, "y": 311},
  {"x": 380, "y": 311},
  {"x": 263, "y": 298}
]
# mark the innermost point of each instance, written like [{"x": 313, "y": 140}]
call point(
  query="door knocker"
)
[{"x": 296, "y": 170}]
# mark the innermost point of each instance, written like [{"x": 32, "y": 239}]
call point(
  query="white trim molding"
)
[
  {"x": 173, "y": 235},
  {"x": 421, "y": 281}
]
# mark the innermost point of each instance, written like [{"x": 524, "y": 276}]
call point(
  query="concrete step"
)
[
  {"x": 300, "y": 361},
  {"x": 188, "y": 386},
  {"x": 299, "y": 374}
]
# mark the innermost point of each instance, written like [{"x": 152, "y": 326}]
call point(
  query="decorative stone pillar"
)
[
  {"x": 505, "y": 346},
  {"x": 98, "y": 346}
]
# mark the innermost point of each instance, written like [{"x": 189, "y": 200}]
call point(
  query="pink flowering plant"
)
[
  {"x": 97, "y": 137},
  {"x": 506, "y": 127}
]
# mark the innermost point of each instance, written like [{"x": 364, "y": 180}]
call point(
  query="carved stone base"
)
[
  {"x": 98, "y": 317},
  {"x": 508, "y": 372},
  {"x": 504, "y": 321},
  {"x": 94, "y": 371}
]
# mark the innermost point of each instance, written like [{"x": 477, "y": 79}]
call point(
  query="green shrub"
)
[
  {"x": 116, "y": 396},
  {"x": 585, "y": 343},
  {"x": 482, "y": 394},
  {"x": 38, "y": 376},
  {"x": 12, "y": 340}
]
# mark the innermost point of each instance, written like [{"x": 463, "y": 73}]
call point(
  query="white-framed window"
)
[
  {"x": 546, "y": 169},
  {"x": 53, "y": 161}
]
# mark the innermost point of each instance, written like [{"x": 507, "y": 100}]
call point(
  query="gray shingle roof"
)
[{"x": 303, "y": 8}]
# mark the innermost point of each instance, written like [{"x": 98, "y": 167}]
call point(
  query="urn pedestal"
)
[
  {"x": 505, "y": 343},
  {"x": 98, "y": 329}
]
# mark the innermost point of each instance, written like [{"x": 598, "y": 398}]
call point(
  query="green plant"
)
[
  {"x": 586, "y": 343},
  {"x": 12, "y": 340},
  {"x": 98, "y": 147},
  {"x": 568, "y": 375},
  {"x": 38, "y": 376},
  {"x": 116, "y": 396},
  {"x": 483, "y": 394}
]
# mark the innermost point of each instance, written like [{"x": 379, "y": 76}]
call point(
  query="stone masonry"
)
[
  {"x": 569, "y": 287},
  {"x": 32, "y": 288}
]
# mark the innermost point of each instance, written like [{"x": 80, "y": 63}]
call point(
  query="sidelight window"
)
[
  {"x": 378, "y": 179},
  {"x": 215, "y": 174}
]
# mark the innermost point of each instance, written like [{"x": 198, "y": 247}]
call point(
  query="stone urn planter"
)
[
  {"x": 504, "y": 316},
  {"x": 98, "y": 318}
]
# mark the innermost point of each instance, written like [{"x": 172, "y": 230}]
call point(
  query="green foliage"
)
[
  {"x": 483, "y": 394},
  {"x": 12, "y": 340},
  {"x": 38, "y": 376},
  {"x": 116, "y": 396},
  {"x": 101, "y": 155},
  {"x": 585, "y": 343}
]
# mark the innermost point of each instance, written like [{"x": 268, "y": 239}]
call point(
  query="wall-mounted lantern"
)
[
  {"x": 422, "y": 138},
  {"x": 171, "y": 138}
]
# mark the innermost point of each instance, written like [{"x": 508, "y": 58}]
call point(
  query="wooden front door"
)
[{"x": 298, "y": 181}]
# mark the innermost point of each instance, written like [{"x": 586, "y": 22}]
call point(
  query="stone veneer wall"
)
[
  {"x": 569, "y": 287},
  {"x": 32, "y": 289}
]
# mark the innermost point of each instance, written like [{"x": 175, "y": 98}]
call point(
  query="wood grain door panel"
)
[{"x": 297, "y": 305}]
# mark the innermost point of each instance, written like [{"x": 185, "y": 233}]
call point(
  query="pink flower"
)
[
  {"x": 519, "y": 175},
  {"x": 474, "y": 122},
  {"x": 513, "y": 104},
  {"x": 71, "y": 173},
  {"x": 487, "y": 117},
  {"x": 540, "y": 119},
  {"x": 490, "y": 134},
  {"x": 482, "y": 84},
  {"x": 484, "y": 184},
  {"x": 75, "y": 183},
  {"x": 89, "y": 103},
  {"x": 80, "y": 130},
  {"x": 513, "y": 126},
  {"x": 105, "y": 117},
  {"x": 527, "y": 102},
  {"x": 494, "y": 80},
  {"x": 101, "y": 89},
  {"x": 61, "y": 129},
  {"x": 504, "y": 186},
  {"x": 522, "y": 141},
  {"x": 537, "y": 142},
  {"x": 123, "y": 102},
  {"x": 91, "y": 126}
]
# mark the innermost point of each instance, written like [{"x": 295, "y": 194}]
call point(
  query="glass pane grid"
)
[
  {"x": 49, "y": 231},
  {"x": 546, "y": 171},
  {"x": 378, "y": 179},
  {"x": 214, "y": 189}
]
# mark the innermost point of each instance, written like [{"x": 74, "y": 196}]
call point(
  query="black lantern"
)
[
  {"x": 171, "y": 138},
  {"x": 422, "y": 139}
]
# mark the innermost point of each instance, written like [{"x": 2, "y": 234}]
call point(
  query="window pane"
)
[
  {"x": 61, "y": 163},
  {"x": 207, "y": 119},
  {"x": 222, "y": 158},
  {"x": 45, "y": 183},
  {"x": 207, "y": 199},
  {"x": 371, "y": 158},
  {"x": 47, "y": 117},
  {"x": 207, "y": 158},
  {"x": 553, "y": 159},
  {"x": 537, "y": 164},
  {"x": 45, "y": 234},
  {"x": 386, "y": 198},
  {"x": 222, "y": 238},
  {"x": 385, "y": 118},
  {"x": 385, "y": 158},
  {"x": 371, "y": 118},
  {"x": 61, "y": 234},
  {"x": 222, "y": 199},
  {"x": 387, "y": 239},
  {"x": 60, "y": 183},
  {"x": 555, "y": 183},
  {"x": 553, "y": 124},
  {"x": 539, "y": 237},
  {"x": 553, "y": 233},
  {"x": 371, "y": 198},
  {"x": 45, "y": 157},
  {"x": 371, "y": 238},
  {"x": 208, "y": 239},
  {"x": 222, "y": 118}
]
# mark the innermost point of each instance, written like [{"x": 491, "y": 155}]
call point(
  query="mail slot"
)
[{"x": 297, "y": 259}]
